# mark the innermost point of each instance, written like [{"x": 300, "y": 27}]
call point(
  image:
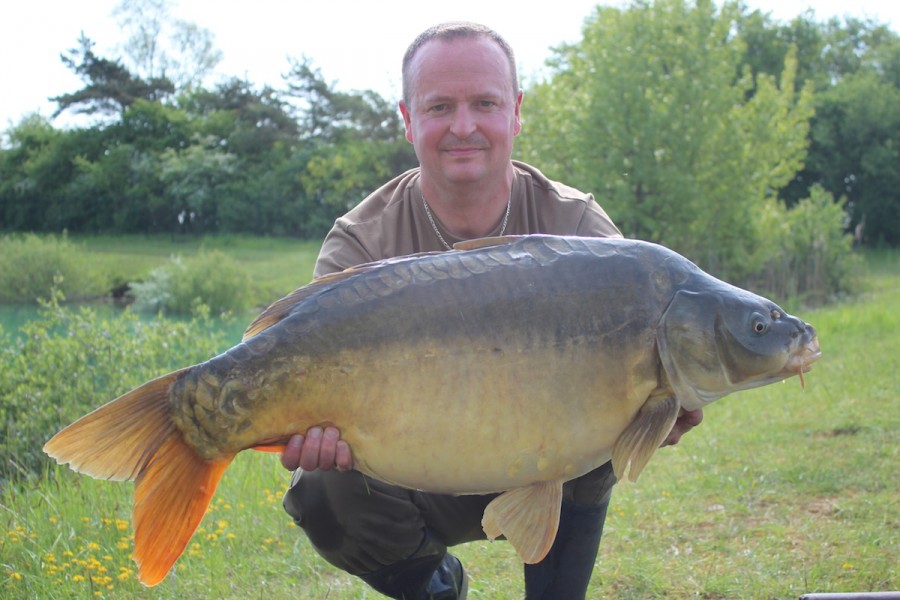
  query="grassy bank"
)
[
  {"x": 276, "y": 265},
  {"x": 781, "y": 491},
  {"x": 94, "y": 267}
]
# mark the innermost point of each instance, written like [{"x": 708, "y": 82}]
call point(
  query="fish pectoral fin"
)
[
  {"x": 528, "y": 517},
  {"x": 644, "y": 435}
]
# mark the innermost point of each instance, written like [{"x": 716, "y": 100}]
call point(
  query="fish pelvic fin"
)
[
  {"x": 133, "y": 438},
  {"x": 644, "y": 435},
  {"x": 528, "y": 517}
]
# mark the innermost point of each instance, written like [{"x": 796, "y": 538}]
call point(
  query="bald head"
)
[{"x": 449, "y": 32}]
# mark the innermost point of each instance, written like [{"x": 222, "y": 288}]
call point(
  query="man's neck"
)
[{"x": 469, "y": 212}]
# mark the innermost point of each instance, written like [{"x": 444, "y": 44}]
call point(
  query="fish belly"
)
[{"x": 425, "y": 417}]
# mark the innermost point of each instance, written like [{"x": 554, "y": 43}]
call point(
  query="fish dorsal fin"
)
[
  {"x": 528, "y": 517},
  {"x": 280, "y": 309},
  {"x": 486, "y": 242},
  {"x": 644, "y": 435}
]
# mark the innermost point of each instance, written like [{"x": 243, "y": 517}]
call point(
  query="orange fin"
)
[
  {"x": 117, "y": 440},
  {"x": 273, "y": 448},
  {"x": 528, "y": 517},
  {"x": 643, "y": 436},
  {"x": 170, "y": 498},
  {"x": 134, "y": 438}
]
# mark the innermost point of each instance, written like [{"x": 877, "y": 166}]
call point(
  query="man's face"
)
[{"x": 462, "y": 115}]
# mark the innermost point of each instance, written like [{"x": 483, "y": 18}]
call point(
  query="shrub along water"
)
[
  {"x": 29, "y": 264},
  {"x": 212, "y": 278},
  {"x": 68, "y": 362}
]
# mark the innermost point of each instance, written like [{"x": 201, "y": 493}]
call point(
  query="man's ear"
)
[
  {"x": 407, "y": 121},
  {"x": 517, "y": 127}
]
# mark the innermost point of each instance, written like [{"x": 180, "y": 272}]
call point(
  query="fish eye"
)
[{"x": 759, "y": 324}]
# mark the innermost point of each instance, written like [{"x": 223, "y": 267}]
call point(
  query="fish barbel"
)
[{"x": 508, "y": 365}]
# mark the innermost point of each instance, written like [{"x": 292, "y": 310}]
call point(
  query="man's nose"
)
[{"x": 463, "y": 124}]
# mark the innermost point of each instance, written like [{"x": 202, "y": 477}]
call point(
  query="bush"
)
[
  {"x": 805, "y": 252},
  {"x": 29, "y": 264},
  {"x": 212, "y": 279},
  {"x": 67, "y": 363}
]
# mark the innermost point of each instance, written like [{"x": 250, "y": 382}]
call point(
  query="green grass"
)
[
  {"x": 780, "y": 492},
  {"x": 277, "y": 265}
]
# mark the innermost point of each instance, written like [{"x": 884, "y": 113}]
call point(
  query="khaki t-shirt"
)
[{"x": 392, "y": 221}]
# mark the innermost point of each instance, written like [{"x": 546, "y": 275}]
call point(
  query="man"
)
[{"x": 461, "y": 109}]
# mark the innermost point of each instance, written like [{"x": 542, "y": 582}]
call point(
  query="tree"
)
[
  {"x": 162, "y": 46},
  {"x": 855, "y": 133},
  {"x": 652, "y": 112},
  {"x": 248, "y": 121},
  {"x": 328, "y": 115},
  {"x": 109, "y": 88},
  {"x": 855, "y": 153}
]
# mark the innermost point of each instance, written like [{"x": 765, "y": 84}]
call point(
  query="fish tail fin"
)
[
  {"x": 643, "y": 436},
  {"x": 133, "y": 438},
  {"x": 171, "y": 496}
]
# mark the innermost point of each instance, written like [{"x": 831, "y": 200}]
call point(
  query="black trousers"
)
[{"x": 361, "y": 525}]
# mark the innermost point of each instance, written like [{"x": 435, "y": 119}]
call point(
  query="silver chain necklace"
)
[{"x": 438, "y": 231}]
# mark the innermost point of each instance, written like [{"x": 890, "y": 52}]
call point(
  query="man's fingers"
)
[
  {"x": 687, "y": 420},
  {"x": 343, "y": 458},
  {"x": 328, "y": 448},
  {"x": 309, "y": 454},
  {"x": 290, "y": 456},
  {"x": 318, "y": 449}
]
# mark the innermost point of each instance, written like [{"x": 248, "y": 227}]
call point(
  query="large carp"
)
[{"x": 510, "y": 365}]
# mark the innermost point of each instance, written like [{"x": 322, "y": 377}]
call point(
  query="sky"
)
[{"x": 356, "y": 44}]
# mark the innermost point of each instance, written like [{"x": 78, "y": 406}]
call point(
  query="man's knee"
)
[
  {"x": 306, "y": 501},
  {"x": 355, "y": 523}
]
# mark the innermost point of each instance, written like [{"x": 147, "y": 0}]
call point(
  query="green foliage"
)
[
  {"x": 31, "y": 265},
  {"x": 855, "y": 134},
  {"x": 855, "y": 152},
  {"x": 212, "y": 279},
  {"x": 650, "y": 111},
  {"x": 109, "y": 87},
  {"x": 68, "y": 362},
  {"x": 804, "y": 252}
]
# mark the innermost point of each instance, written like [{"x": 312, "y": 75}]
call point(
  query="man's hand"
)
[
  {"x": 318, "y": 449},
  {"x": 687, "y": 420}
]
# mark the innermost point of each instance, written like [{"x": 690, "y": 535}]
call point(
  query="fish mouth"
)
[{"x": 801, "y": 361}]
